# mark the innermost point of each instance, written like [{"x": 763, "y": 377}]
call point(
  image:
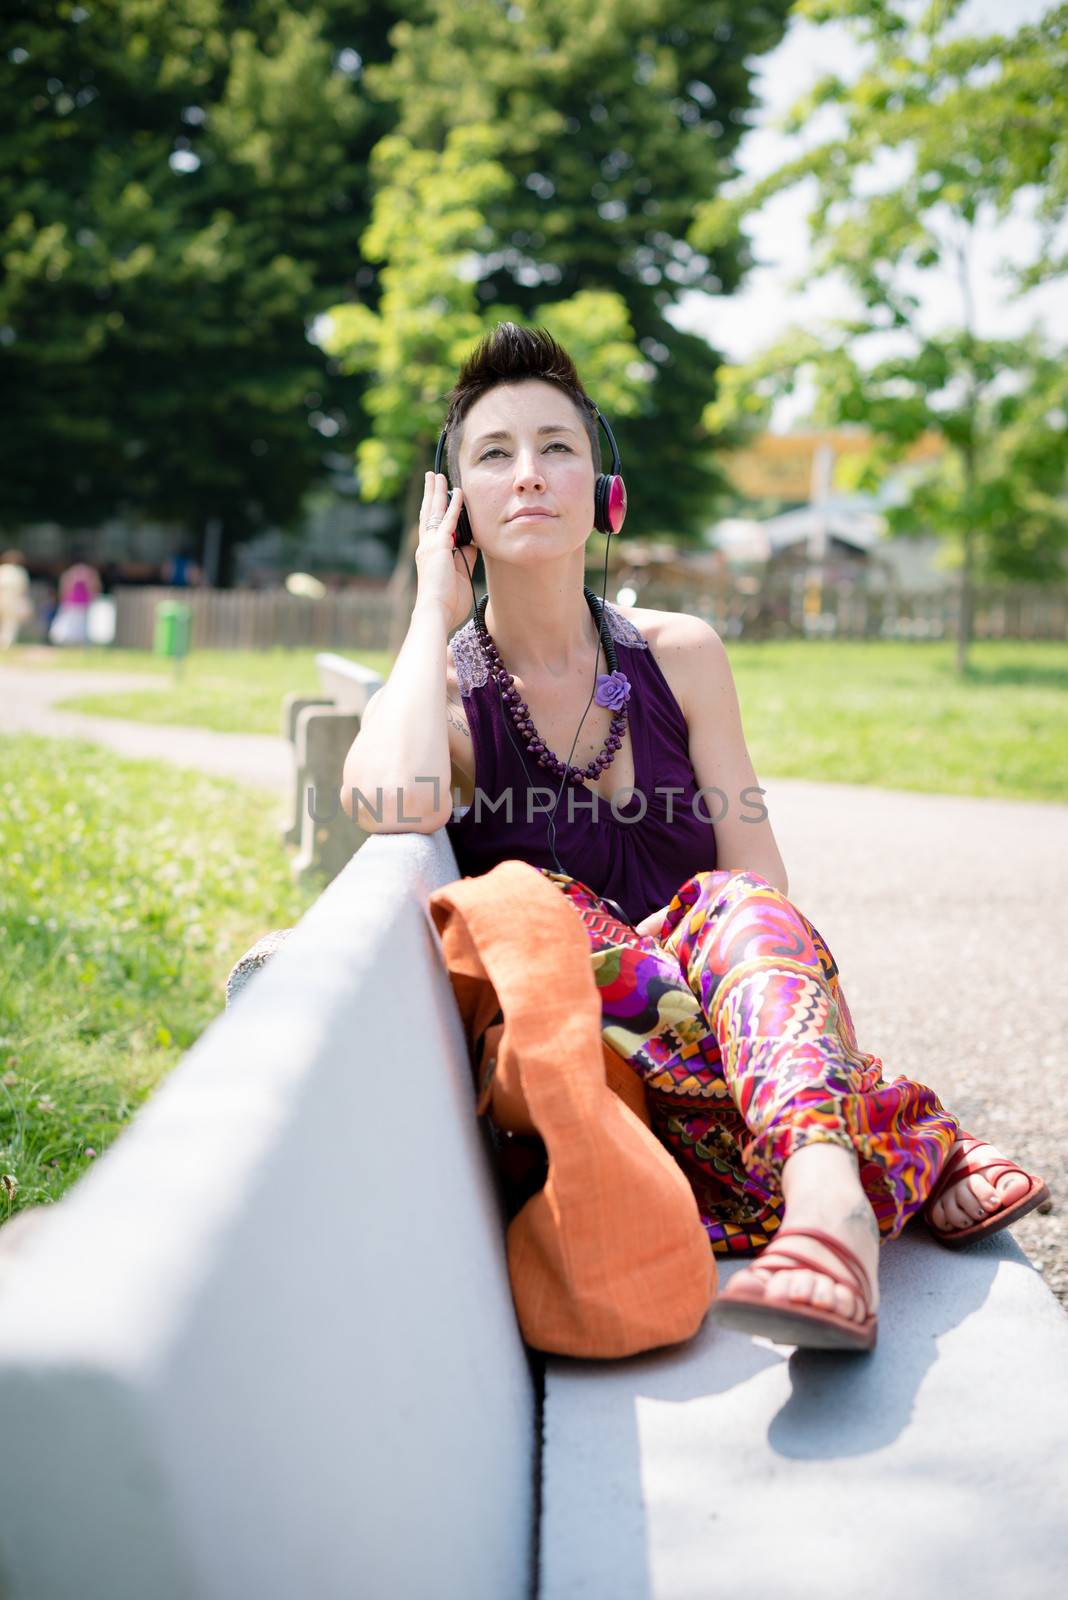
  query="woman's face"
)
[{"x": 542, "y": 462}]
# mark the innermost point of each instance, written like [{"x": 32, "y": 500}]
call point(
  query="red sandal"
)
[
  {"x": 811, "y": 1327},
  {"x": 958, "y": 1166}
]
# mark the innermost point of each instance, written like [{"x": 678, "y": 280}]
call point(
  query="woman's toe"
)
[
  {"x": 781, "y": 1285},
  {"x": 977, "y": 1199},
  {"x": 792, "y": 1285},
  {"x": 844, "y": 1302},
  {"x": 1011, "y": 1186},
  {"x": 748, "y": 1280},
  {"x": 823, "y": 1292},
  {"x": 956, "y": 1215}
]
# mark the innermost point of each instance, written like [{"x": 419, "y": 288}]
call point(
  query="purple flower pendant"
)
[{"x": 613, "y": 690}]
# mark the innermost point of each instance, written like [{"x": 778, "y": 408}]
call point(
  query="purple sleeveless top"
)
[{"x": 638, "y": 856}]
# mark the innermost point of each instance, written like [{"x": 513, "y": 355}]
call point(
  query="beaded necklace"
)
[{"x": 612, "y": 692}]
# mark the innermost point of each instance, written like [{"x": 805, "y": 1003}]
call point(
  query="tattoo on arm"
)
[{"x": 454, "y": 708}]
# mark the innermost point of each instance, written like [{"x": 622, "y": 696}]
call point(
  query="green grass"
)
[
  {"x": 890, "y": 713},
  {"x": 124, "y": 902},
  {"x": 230, "y": 691},
  {"x": 895, "y": 714}
]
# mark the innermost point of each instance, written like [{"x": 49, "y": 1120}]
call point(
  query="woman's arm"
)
[
  {"x": 692, "y": 657},
  {"x": 399, "y": 760}
]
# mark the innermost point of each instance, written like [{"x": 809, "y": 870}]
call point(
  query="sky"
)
[{"x": 739, "y": 325}]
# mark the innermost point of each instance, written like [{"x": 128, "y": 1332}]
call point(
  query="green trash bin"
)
[{"x": 173, "y": 627}]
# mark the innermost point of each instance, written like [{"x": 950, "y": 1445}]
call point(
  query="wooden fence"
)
[
  {"x": 258, "y": 619},
  {"x": 789, "y": 608},
  {"x": 359, "y": 618}
]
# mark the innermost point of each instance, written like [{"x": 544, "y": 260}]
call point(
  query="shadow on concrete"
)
[
  {"x": 668, "y": 1452},
  {"x": 839, "y": 1404}
]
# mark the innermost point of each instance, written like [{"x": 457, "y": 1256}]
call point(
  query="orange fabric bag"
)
[{"x": 609, "y": 1258}]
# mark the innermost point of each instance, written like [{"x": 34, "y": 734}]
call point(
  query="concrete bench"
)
[
  {"x": 321, "y": 729},
  {"x": 267, "y": 1347}
]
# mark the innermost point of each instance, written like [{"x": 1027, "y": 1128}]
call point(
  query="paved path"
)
[{"x": 27, "y": 700}]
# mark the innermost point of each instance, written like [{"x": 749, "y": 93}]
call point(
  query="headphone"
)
[
  {"x": 609, "y": 510},
  {"x": 609, "y": 492}
]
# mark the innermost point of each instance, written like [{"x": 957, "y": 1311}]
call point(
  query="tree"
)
[
  {"x": 426, "y": 226},
  {"x": 188, "y": 184},
  {"x": 970, "y": 123},
  {"x": 615, "y": 119},
  {"x": 186, "y": 190}
]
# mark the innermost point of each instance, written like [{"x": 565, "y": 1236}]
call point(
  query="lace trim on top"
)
[{"x": 472, "y": 668}]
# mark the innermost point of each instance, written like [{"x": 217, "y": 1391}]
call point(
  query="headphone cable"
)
[{"x": 551, "y": 834}]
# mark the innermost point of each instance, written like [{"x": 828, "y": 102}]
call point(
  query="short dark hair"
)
[{"x": 513, "y": 354}]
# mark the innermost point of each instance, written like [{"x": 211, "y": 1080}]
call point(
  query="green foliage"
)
[
  {"x": 126, "y": 895},
  {"x": 987, "y": 112},
  {"x": 427, "y": 221},
  {"x": 189, "y": 187},
  {"x": 184, "y": 183},
  {"x": 939, "y": 135},
  {"x": 611, "y": 122},
  {"x": 427, "y": 218}
]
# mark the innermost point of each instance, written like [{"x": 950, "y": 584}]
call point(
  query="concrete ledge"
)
[
  {"x": 934, "y": 1467},
  {"x": 321, "y": 729},
  {"x": 267, "y": 1346},
  {"x": 348, "y": 683}
]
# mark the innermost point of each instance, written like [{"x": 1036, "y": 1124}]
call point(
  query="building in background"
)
[
  {"x": 780, "y": 467},
  {"x": 801, "y": 522}
]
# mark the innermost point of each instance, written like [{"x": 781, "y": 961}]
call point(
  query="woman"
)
[
  {"x": 79, "y": 586},
  {"x": 719, "y": 992}
]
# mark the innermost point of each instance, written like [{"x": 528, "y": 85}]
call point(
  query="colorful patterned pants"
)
[{"x": 735, "y": 1019}]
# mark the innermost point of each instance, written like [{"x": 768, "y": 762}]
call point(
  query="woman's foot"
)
[
  {"x": 822, "y": 1189},
  {"x": 970, "y": 1200}
]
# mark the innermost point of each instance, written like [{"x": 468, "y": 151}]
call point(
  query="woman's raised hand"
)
[{"x": 443, "y": 572}]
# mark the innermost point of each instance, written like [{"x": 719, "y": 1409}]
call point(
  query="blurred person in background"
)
[
  {"x": 79, "y": 586},
  {"x": 16, "y": 606},
  {"x": 181, "y": 571}
]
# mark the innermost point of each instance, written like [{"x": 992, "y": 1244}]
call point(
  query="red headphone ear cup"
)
[{"x": 610, "y": 503}]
